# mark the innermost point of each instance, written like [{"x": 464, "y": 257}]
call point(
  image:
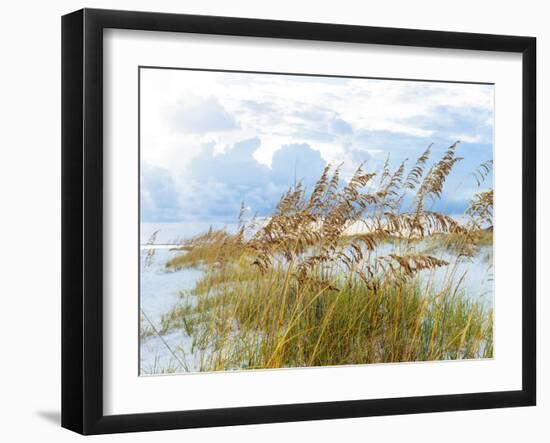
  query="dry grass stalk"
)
[{"x": 300, "y": 283}]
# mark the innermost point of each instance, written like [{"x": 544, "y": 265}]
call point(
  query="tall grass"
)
[{"x": 306, "y": 287}]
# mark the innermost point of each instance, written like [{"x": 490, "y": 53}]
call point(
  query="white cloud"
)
[{"x": 193, "y": 121}]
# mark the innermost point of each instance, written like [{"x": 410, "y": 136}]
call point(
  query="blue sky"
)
[{"x": 211, "y": 140}]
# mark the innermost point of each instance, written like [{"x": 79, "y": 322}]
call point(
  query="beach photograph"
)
[{"x": 295, "y": 221}]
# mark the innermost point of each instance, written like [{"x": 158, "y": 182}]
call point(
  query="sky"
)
[{"x": 211, "y": 140}]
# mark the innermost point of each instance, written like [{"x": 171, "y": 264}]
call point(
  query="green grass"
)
[{"x": 243, "y": 319}]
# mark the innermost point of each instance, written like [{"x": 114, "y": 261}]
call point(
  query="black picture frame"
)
[{"x": 82, "y": 219}]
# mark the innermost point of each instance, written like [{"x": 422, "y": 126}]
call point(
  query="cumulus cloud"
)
[
  {"x": 340, "y": 126},
  {"x": 235, "y": 166},
  {"x": 212, "y": 140},
  {"x": 360, "y": 156},
  {"x": 215, "y": 185},
  {"x": 296, "y": 162},
  {"x": 197, "y": 115},
  {"x": 158, "y": 195}
]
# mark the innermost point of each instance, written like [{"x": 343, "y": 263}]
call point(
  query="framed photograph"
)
[{"x": 269, "y": 221}]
